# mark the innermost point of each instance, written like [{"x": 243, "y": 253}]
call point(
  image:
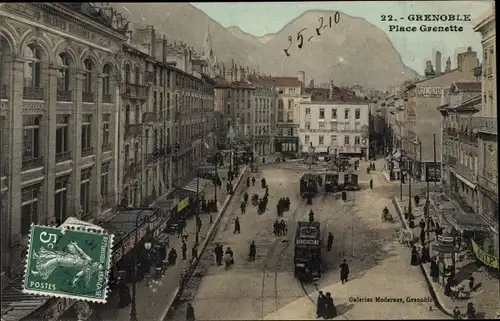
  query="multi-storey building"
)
[
  {"x": 336, "y": 124},
  {"x": 485, "y": 125},
  {"x": 459, "y": 143},
  {"x": 287, "y": 111},
  {"x": 422, "y": 119},
  {"x": 59, "y": 94}
]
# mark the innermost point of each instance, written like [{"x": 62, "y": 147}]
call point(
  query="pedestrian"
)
[
  {"x": 253, "y": 181},
  {"x": 283, "y": 228},
  {"x": 190, "y": 313},
  {"x": 287, "y": 203},
  {"x": 422, "y": 237},
  {"x": 245, "y": 197},
  {"x": 456, "y": 313},
  {"x": 417, "y": 200},
  {"x": 184, "y": 249},
  {"x": 198, "y": 223},
  {"x": 219, "y": 252},
  {"x": 371, "y": 183},
  {"x": 248, "y": 181},
  {"x": 434, "y": 270},
  {"x": 237, "y": 227},
  {"x": 276, "y": 227},
  {"x": 471, "y": 311},
  {"x": 194, "y": 252},
  {"x": 414, "y": 256},
  {"x": 227, "y": 187},
  {"x": 421, "y": 224},
  {"x": 252, "y": 251},
  {"x": 320, "y": 305},
  {"x": 172, "y": 257},
  {"x": 471, "y": 283},
  {"x": 330, "y": 310},
  {"x": 243, "y": 207},
  {"x": 311, "y": 216},
  {"x": 344, "y": 271},
  {"x": 278, "y": 209},
  {"x": 425, "y": 255},
  {"x": 329, "y": 241}
]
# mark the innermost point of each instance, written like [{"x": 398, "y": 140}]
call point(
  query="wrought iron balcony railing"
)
[
  {"x": 64, "y": 95},
  {"x": 32, "y": 162},
  {"x": 106, "y": 147},
  {"x": 63, "y": 156},
  {"x": 133, "y": 130},
  {"x": 107, "y": 98},
  {"x": 466, "y": 172},
  {"x": 87, "y": 151},
  {"x": 33, "y": 93},
  {"x": 486, "y": 125},
  {"x": 88, "y": 97}
]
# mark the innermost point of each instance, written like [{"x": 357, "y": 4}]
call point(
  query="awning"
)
[
  {"x": 465, "y": 180},
  {"x": 452, "y": 214},
  {"x": 321, "y": 150},
  {"x": 201, "y": 183},
  {"x": 17, "y": 305}
]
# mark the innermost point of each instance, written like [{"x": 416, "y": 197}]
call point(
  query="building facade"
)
[
  {"x": 263, "y": 122},
  {"x": 421, "y": 118},
  {"x": 334, "y": 127},
  {"x": 287, "y": 112},
  {"x": 485, "y": 125}
]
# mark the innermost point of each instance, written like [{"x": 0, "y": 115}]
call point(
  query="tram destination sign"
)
[{"x": 306, "y": 242}]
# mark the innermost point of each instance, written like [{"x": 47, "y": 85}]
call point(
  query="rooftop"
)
[{"x": 286, "y": 81}]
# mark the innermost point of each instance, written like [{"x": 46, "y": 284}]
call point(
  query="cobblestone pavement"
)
[
  {"x": 486, "y": 296},
  {"x": 153, "y": 296},
  {"x": 266, "y": 288}
]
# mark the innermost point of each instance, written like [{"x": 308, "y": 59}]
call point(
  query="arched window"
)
[
  {"x": 106, "y": 80},
  {"x": 87, "y": 80},
  {"x": 127, "y": 74},
  {"x": 32, "y": 66},
  {"x": 137, "y": 75},
  {"x": 5, "y": 52},
  {"x": 64, "y": 64}
]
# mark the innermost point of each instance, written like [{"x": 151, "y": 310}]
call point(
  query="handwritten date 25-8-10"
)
[{"x": 300, "y": 37}]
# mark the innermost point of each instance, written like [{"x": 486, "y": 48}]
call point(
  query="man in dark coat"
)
[
  {"x": 283, "y": 228},
  {"x": 198, "y": 223},
  {"x": 219, "y": 252},
  {"x": 245, "y": 197},
  {"x": 421, "y": 224},
  {"x": 344, "y": 271},
  {"x": 417, "y": 200},
  {"x": 320, "y": 305},
  {"x": 190, "y": 313},
  {"x": 248, "y": 181},
  {"x": 422, "y": 237},
  {"x": 287, "y": 203},
  {"x": 330, "y": 310},
  {"x": 434, "y": 270},
  {"x": 276, "y": 228},
  {"x": 329, "y": 241},
  {"x": 311, "y": 216},
  {"x": 184, "y": 249},
  {"x": 172, "y": 256},
  {"x": 252, "y": 252},
  {"x": 243, "y": 208},
  {"x": 194, "y": 252},
  {"x": 371, "y": 183},
  {"x": 237, "y": 227},
  {"x": 253, "y": 181}
]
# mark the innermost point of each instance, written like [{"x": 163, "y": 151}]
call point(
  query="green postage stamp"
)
[{"x": 71, "y": 262}]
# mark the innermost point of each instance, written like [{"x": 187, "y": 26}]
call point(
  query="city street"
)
[{"x": 266, "y": 288}]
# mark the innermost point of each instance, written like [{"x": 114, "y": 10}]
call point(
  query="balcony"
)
[
  {"x": 88, "y": 97},
  {"x": 64, "y": 95},
  {"x": 135, "y": 91},
  {"x": 33, "y": 93},
  {"x": 107, "y": 98},
  {"x": 30, "y": 163},
  {"x": 488, "y": 180},
  {"x": 4, "y": 92},
  {"x": 63, "y": 156},
  {"x": 133, "y": 130},
  {"x": 466, "y": 172},
  {"x": 131, "y": 170},
  {"x": 150, "y": 117},
  {"x": 87, "y": 151},
  {"x": 485, "y": 125}
]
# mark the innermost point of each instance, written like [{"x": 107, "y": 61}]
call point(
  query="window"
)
[
  {"x": 168, "y": 78},
  {"x": 307, "y": 125},
  {"x": 346, "y": 140},
  {"x": 346, "y": 114},
  {"x": 104, "y": 183},
  {"x": 137, "y": 114},
  {"x": 137, "y": 75},
  {"x": 106, "y": 144},
  {"x": 357, "y": 113},
  {"x": 85, "y": 177},
  {"x": 62, "y": 136},
  {"x": 31, "y": 141},
  {"x": 306, "y": 139},
  {"x": 127, "y": 74},
  {"x": 308, "y": 111},
  {"x": 321, "y": 140},
  {"x": 333, "y": 139},
  {"x": 106, "y": 81},
  {"x": 63, "y": 81},
  {"x": 137, "y": 155},
  {"x": 321, "y": 113},
  {"x": 321, "y": 125},
  {"x": 87, "y": 77},
  {"x": 60, "y": 199},
  {"x": 357, "y": 140},
  {"x": 334, "y": 126},
  {"x": 86, "y": 134},
  {"x": 228, "y": 109},
  {"x": 29, "y": 207},
  {"x": 334, "y": 113},
  {"x": 32, "y": 66}
]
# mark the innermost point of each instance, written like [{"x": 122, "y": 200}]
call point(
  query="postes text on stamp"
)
[{"x": 71, "y": 262}]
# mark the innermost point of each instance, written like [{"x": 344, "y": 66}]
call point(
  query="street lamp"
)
[
  {"x": 230, "y": 137},
  {"x": 401, "y": 174}
]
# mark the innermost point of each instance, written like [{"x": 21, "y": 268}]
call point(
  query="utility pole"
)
[
  {"x": 401, "y": 175},
  {"x": 434, "y": 150}
]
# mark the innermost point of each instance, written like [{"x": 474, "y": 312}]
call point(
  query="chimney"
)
[
  {"x": 467, "y": 61},
  {"x": 448, "y": 65},
  {"x": 165, "y": 48},
  {"x": 438, "y": 63},
  {"x": 311, "y": 83}
]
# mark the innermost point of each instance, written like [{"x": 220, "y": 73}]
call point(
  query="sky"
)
[{"x": 415, "y": 48}]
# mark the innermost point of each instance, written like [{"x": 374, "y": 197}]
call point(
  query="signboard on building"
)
[
  {"x": 429, "y": 91},
  {"x": 484, "y": 257},
  {"x": 183, "y": 204},
  {"x": 286, "y": 144},
  {"x": 433, "y": 172},
  {"x": 287, "y": 125},
  {"x": 306, "y": 242}
]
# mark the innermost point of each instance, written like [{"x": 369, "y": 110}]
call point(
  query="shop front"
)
[{"x": 286, "y": 145}]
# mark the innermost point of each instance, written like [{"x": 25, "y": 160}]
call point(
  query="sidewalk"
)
[
  {"x": 154, "y": 300},
  {"x": 486, "y": 295}
]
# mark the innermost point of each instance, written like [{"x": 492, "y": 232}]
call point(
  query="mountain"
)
[
  {"x": 240, "y": 34},
  {"x": 350, "y": 52},
  {"x": 184, "y": 22},
  {"x": 267, "y": 37}
]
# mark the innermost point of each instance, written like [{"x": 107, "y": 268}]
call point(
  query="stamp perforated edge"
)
[{"x": 60, "y": 295}]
